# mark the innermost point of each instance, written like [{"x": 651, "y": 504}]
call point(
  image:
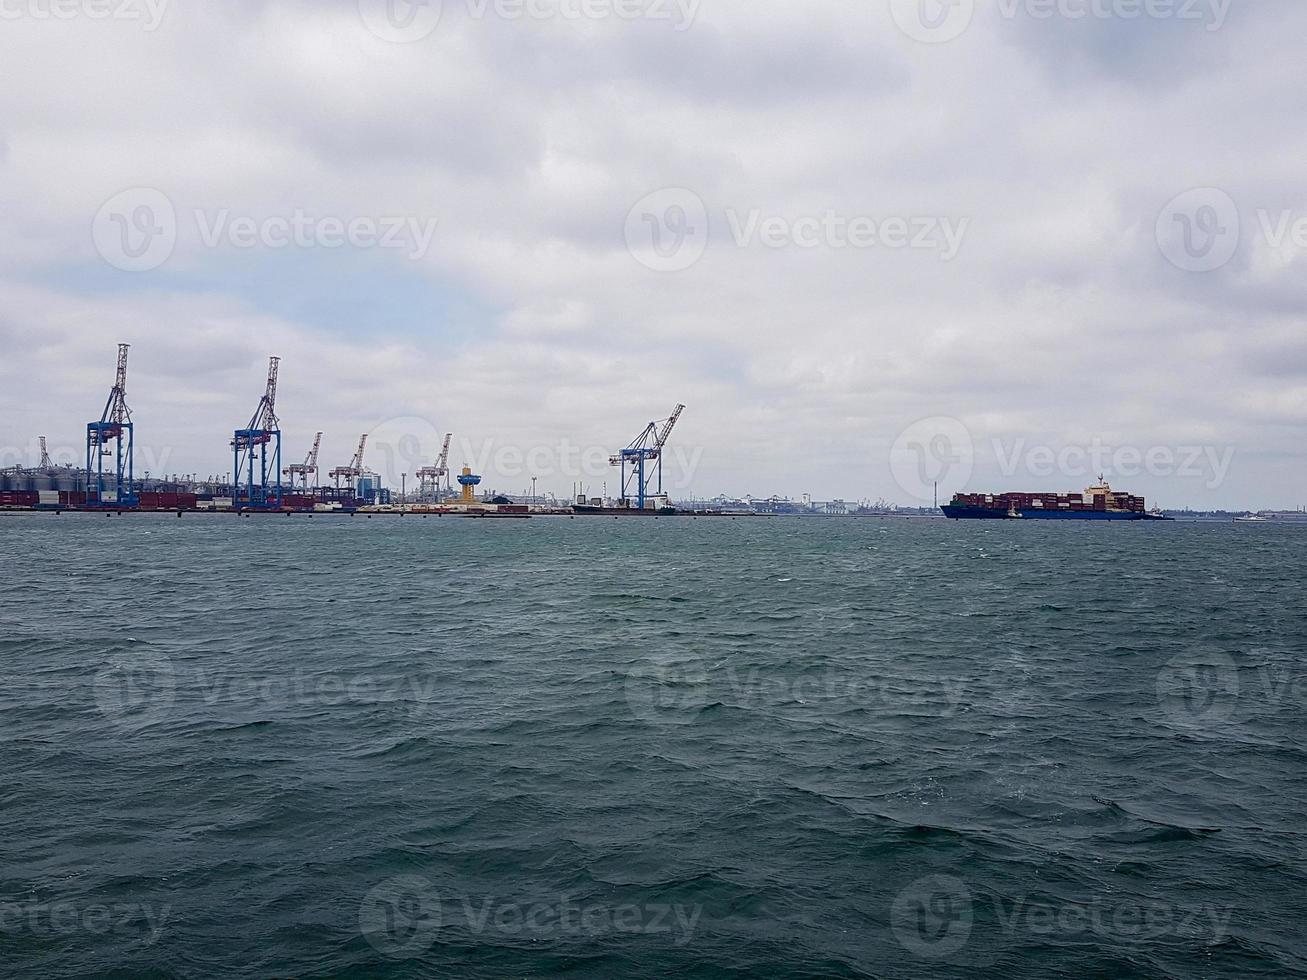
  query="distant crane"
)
[
  {"x": 355, "y": 468},
  {"x": 307, "y": 468},
  {"x": 45, "y": 463},
  {"x": 115, "y": 427},
  {"x": 646, "y": 449},
  {"x": 430, "y": 476},
  {"x": 259, "y": 443}
]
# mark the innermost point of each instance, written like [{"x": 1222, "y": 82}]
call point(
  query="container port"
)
[
  {"x": 258, "y": 483},
  {"x": 261, "y": 482}
]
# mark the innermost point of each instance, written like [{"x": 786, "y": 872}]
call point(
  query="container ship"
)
[{"x": 1098, "y": 503}]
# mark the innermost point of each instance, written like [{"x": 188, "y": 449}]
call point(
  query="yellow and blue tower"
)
[{"x": 469, "y": 482}]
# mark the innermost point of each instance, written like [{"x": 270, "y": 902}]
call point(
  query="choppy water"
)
[{"x": 786, "y": 748}]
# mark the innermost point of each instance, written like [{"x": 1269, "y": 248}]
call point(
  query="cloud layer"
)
[{"x": 790, "y": 160}]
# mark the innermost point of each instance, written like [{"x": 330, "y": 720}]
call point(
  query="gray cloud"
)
[{"x": 1060, "y": 320}]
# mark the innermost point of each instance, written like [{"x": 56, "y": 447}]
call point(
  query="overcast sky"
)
[{"x": 869, "y": 243}]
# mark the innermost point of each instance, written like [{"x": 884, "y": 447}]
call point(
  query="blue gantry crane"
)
[
  {"x": 111, "y": 439},
  {"x": 256, "y": 452},
  {"x": 642, "y": 460}
]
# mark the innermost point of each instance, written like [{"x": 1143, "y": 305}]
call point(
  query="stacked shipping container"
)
[{"x": 1053, "y": 501}]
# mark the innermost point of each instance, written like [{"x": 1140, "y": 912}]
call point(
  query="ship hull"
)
[{"x": 963, "y": 513}]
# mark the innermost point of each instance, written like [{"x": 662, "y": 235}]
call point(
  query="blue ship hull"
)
[{"x": 959, "y": 513}]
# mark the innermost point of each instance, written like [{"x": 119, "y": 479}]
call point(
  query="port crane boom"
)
[
  {"x": 111, "y": 438},
  {"x": 644, "y": 457},
  {"x": 265, "y": 416},
  {"x": 355, "y": 468},
  {"x": 307, "y": 468},
  {"x": 669, "y": 426},
  {"x": 430, "y": 476}
]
